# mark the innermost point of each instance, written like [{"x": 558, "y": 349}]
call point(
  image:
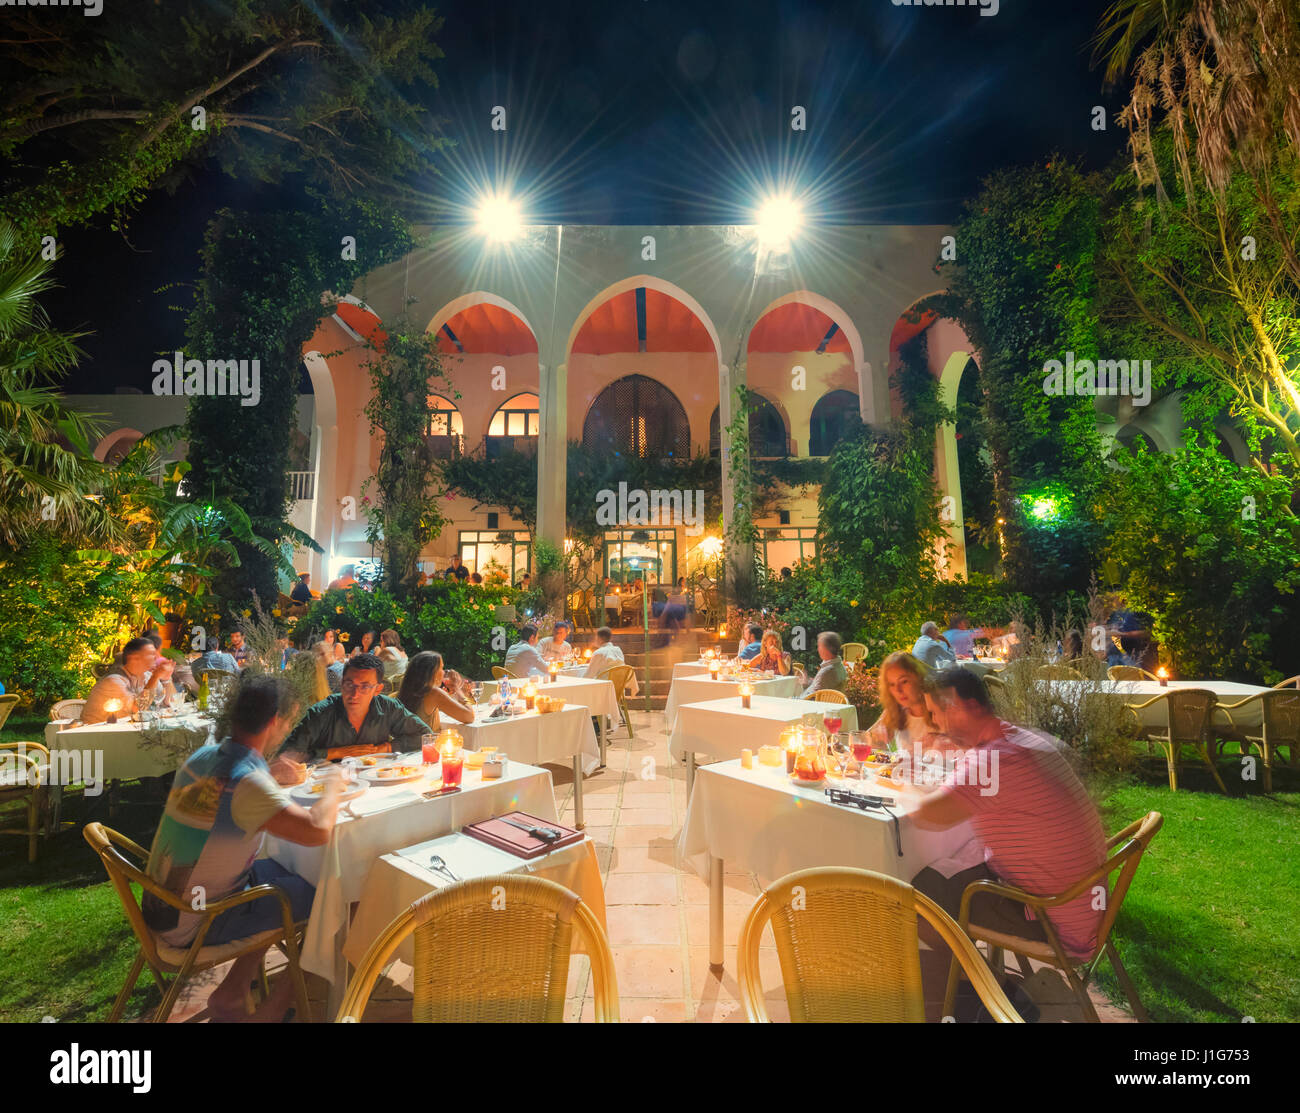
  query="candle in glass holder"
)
[
  {"x": 746, "y": 692},
  {"x": 791, "y": 742},
  {"x": 451, "y": 752},
  {"x": 714, "y": 666},
  {"x": 530, "y": 696},
  {"x": 113, "y": 706},
  {"x": 1162, "y": 674},
  {"x": 555, "y": 670},
  {"x": 747, "y": 759}
]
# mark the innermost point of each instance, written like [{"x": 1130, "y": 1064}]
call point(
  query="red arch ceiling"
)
[
  {"x": 359, "y": 319},
  {"x": 905, "y": 328},
  {"x": 795, "y": 327},
  {"x": 488, "y": 328},
  {"x": 669, "y": 326}
]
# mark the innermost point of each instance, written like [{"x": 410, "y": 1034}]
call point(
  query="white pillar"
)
[{"x": 552, "y": 454}]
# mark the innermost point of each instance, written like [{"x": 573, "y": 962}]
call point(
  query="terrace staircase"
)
[{"x": 665, "y": 651}]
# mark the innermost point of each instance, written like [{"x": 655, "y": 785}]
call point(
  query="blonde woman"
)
[
  {"x": 906, "y": 722},
  {"x": 770, "y": 657}
]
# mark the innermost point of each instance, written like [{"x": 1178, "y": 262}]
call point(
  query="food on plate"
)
[{"x": 397, "y": 771}]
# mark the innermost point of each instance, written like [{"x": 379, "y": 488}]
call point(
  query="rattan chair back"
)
[{"x": 829, "y": 695}]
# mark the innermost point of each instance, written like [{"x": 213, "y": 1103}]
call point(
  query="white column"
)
[{"x": 552, "y": 454}]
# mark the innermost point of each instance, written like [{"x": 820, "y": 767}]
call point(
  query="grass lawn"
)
[{"x": 1207, "y": 931}]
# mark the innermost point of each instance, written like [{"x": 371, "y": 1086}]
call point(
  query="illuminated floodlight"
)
[
  {"x": 499, "y": 218},
  {"x": 779, "y": 220}
]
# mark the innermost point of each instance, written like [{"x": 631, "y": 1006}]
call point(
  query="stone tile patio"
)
[{"x": 657, "y": 912}]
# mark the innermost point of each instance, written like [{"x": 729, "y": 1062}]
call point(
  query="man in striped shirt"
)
[{"x": 1039, "y": 829}]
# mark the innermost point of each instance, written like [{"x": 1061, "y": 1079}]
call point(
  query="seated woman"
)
[
  {"x": 905, "y": 723},
  {"x": 770, "y": 657},
  {"x": 367, "y": 645},
  {"x": 390, "y": 651},
  {"x": 423, "y": 692}
]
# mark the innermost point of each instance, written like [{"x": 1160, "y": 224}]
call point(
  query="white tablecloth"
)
[
  {"x": 721, "y": 728},
  {"x": 124, "y": 758},
  {"x": 397, "y": 880},
  {"x": 689, "y": 668},
  {"x": 551, "y": 739},
  {"x": 597, "y": 695},
  {"x": 760, "y": 821},
  {"x": 700, "y": 689},
  {"x": 389, "y": 818},
  {"x": 1139, "y": 691}
]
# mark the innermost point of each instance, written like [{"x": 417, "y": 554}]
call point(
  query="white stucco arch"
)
[
  {"x": 111, "y": 441},
  {"x": 468, "y": 301},
  {"x": 324, "y": 519},
  {"x": 650, "y": 282}
]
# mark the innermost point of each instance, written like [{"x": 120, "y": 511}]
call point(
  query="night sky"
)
[{"x": 648, "y": 112}]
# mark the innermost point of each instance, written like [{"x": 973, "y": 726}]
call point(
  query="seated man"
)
[
  {"x": 961, "y": 638},
  {"x": 301, "y": 591},
  {"x": 347, "y": 578},
  {"x": 222, "y": 802},
  {"x": 1038, "y": 827},
  {"x": 832, "y": 673},
  {"x": 557, "y": 647},
  {"x": 522, "y": 658},
  {"x": 931, "y": 647},
  {"x": 239, "y": 648},
  {"x": 355, "y": 722},
  {"x": 213, "y": 660},
  {"x": 751, "y": 641},
  {"x": 605, "y": 655},
  {"x": 142, "y": 669}
]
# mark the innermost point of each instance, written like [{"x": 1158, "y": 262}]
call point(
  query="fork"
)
[{"x": 438, "y": 864}]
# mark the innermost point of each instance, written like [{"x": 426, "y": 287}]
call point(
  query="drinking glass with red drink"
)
[
  {"x": 861, "y": 751},
  {"x": 429, "y": 749},
  {"x": 833, "y": 724},
  {"x": 453, "y": 765}
]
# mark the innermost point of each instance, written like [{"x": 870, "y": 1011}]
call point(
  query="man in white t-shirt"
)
[
  {"x": 605, "y": 654},
  {"x": 142, "y": 669}
]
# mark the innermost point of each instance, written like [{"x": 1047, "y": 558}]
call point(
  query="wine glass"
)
[
  {"x": 843, "y": 752},
  {"x": 861, "y": 751},
  {"x": 476, "y": 690},
  {"x": 833, "y": 720}
]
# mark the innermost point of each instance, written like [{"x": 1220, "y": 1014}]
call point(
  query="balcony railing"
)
[
  {"x": 496, "y": 447},
  {"x": 444, "y": 446},
  {"x": 302, "y": 485}
]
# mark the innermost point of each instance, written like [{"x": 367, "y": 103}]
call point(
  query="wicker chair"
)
[
  {"x": 1125, "y": 849},
  {"x": 67, "y": 709},
  {"x": 1057, "y": 672},
  {"x": 1289, "y": 682},
  {"x": 163, "y": 959},
  {"x": 621, "y": 676},
  {"x": 1129, "y": 672},
  {"x": 1279, "y": 726},
  {"x": 7, "y": 704},
  {"x": 22, "y": 779},
  {"x": 848, "y": 949},
  {"x": 799, "y": 671},
  {"x": 1189, "y": 722},
  {"x": 829, "y": 695},
  {"x": 498, "y": 673},
  {"x": 853, "y": 651},
  {"x": 494, "y": 949}
]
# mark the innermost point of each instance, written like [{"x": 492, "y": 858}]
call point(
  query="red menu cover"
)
[{"x": 505, "y": 836}]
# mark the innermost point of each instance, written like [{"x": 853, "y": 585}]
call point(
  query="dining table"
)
[
  {"x": 761, "y": 822},
  {"x": 399, "y": 879},
  {"x": 126, "y": 750},
  {"x": 384, "y": 819},
  {"x": 574, "y": 686},
  {"x": 560, "y": 737},
  {"x": 719, "y": 729},
  {"x": 702, "y": 689},
  {"x": 1155, "y": 716}
]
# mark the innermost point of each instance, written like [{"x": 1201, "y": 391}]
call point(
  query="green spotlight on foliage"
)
[{"x": 1047, "y": 505}]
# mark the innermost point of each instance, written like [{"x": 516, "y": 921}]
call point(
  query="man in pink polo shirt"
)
[{"x": 1039, "y": 829}]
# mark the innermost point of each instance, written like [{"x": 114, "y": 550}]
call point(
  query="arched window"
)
[
  {"x": 833, "y": 416},
  {"x": 515, "y": 426},
  {"x": 636, "y": 416},
  {"x": 445, "y": 434},
  {"x": 767, "y": 435}
]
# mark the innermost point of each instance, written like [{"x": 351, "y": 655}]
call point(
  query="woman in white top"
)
[
  {"x": 905, "y": 723},
  {"x": 390, "y": 651}
]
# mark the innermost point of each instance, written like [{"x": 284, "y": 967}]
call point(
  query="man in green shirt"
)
[{"x": 354, "y": 722}]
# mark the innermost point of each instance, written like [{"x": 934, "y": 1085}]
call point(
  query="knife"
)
[{"x": 546, "y": 834}]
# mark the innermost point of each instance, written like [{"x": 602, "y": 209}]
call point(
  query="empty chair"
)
[
  {"x": 183, "y": 962},
  {"x": 1129, "y": 672},
  {"x": 848, "y": 948},
  {"x": 1126, "y": 849},
  {"x": 853, "y": 651},
  {"x": 494, "y": 950},
  {"x": 67, "y": 709},
  {"x": 23, "y": 778},
  {"x": 1279, "y": 726},
  {"x": 621, "y": 676},
  {"x": 7, "y": 704},
  {"x": 1189, "y": 719},
  {"x": 829, "y": 695},
  {"x": 498, "y": 673}
]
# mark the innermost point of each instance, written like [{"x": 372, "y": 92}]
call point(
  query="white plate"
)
[
  {"x": 374, "y": 775},
  {"x": 303, "y": 793}
]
